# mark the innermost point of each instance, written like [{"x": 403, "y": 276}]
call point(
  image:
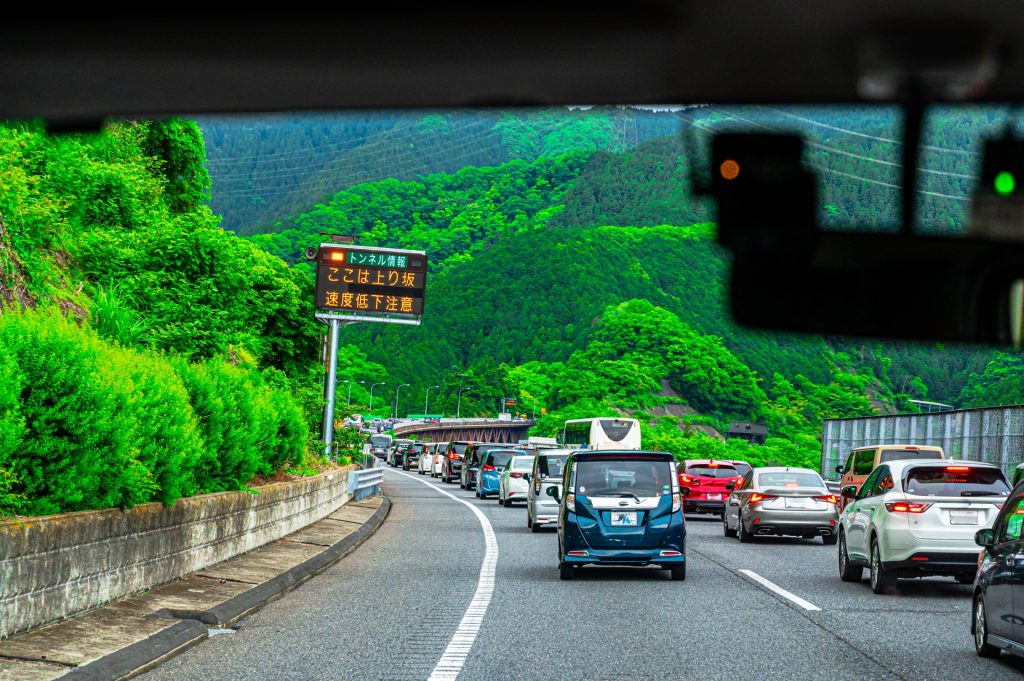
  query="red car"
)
[{"x": 707, "y": 479}]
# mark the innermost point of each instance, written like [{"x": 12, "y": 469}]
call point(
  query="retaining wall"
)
[{"x": 56, "y": 566}]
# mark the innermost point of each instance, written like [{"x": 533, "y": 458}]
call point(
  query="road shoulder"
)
[{"x": 130, "y": 636}]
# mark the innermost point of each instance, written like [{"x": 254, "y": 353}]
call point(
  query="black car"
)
[
  {"x": 997, "y": 620},
  {"x": 470, "y": 472},
  {"x": 451, "y": 465},
  {"x": 412, "y": 455},
  {"x": 400, "y": 448}
]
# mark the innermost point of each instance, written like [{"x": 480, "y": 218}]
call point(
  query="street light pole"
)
[
  {"x": 397, "y": 391},
  {"x": 426, "y": 398},
  {"x": 371, "y": 396},
  {"x": 350, "y": 382},
  {"x": 458, "y": 409}
]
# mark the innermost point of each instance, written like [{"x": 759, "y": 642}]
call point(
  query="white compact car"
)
[
  {"x": 917, "y": 518},
  {"x": 514, "y": 482},
  {"x": 437, "y": 458}
]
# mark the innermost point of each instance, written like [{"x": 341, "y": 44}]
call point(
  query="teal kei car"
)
[{"x": 620, "y": 508}]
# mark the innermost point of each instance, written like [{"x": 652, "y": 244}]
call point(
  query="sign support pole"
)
[{"x": 332, "y": 375}]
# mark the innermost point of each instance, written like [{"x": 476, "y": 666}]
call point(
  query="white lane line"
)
[
  {"x": 454, "y": 657},
  {"x": 779, "y": 590}
]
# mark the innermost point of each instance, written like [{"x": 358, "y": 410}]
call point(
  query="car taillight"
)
[
  {"x": 958, "y": 469},
  {"x": 676, "y": 503},
  {"x": 453, "y": 456},
  {"x": 686, "y": 480},
  {"x": 828, "y": 498},
  {"x": 570, "y": 502},
  {"x": 906, "y": 507},
  {"x": 515, "y": 475},
  {"x": 488, "y": 467},
  {"x": 755, "y": 497}
]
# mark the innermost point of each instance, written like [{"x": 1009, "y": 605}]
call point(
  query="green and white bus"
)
[{"x": 601, "y": 433}]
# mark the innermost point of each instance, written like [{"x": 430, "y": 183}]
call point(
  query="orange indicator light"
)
[
  {"x": 730, "y": 169},
  {"x": 338, "y": 256}
]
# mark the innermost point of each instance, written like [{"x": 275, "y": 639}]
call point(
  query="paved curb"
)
[{"x": 150, "y": 652}]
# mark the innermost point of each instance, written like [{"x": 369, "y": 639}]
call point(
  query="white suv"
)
[{"x": 916, "y": 518}]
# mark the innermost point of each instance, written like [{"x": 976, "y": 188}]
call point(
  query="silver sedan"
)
[{"x": 781, "y": 501}]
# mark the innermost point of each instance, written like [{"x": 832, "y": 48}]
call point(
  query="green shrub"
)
[{"x": 86, "y": 424}]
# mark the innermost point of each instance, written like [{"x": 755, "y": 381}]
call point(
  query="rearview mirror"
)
[
  {"x": 985, "y": 538},
  {"x": 848, "y": 492},
  {"x": 840, "y": 469},
  {"x": 552, "y": 491}
]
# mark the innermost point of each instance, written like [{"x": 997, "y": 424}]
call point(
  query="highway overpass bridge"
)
[{"x": 474, "y": 430}]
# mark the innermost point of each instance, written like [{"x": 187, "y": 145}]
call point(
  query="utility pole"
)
[{"x": 458, "y": 408}]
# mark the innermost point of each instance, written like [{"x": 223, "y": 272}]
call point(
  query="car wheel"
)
[
  {"x": 829, "y": 539},
  {"x": 507, "y": 503},
  {"x": 725, "y": 528},
  {"x": 847, "y": 571},
  {"x": 529, "y": 520},
  {"x": 679, "y": 572},
  {"x": 981, "y": 644},
  {"x": 566, "y": 572},
  {"x": 536, "y": 528},
  {"x": 482, "y": 495},
  {"x": 745, "y": 536},
  {"x": 882, "y": 582}
]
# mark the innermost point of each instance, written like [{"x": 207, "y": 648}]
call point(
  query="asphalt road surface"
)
[{"x": 396, "y": 608}]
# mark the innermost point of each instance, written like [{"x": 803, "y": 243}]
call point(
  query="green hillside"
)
[{"x": 266, "y": 169}]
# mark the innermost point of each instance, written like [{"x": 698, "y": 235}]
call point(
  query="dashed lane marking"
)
[
  {"x": 775, "y": 588},
  {"x": 454, "y": 656}
]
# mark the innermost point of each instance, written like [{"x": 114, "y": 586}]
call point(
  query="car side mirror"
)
[
  {"x": 685, "y": 491},
  {"x": 552, "y": 492},
  {"x": 985, "y": 538},
  {"x": 848, "y": 492},
  {"x": 840, "y": 469},
  {"x": 526, "y": 477},
  {"x": 730, "y": 486}
]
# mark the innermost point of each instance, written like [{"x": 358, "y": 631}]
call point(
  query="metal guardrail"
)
[{"x": 365, "y": 483}]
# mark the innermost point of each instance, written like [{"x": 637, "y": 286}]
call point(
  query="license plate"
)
[
  {"x": 714, "y": 497},
  {"x": 624, "y": 518},
  {"x": 963, "y": 517},
  {"x": 796, "y": 503}
]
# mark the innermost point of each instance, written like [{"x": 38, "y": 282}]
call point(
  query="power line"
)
[
  {"x": 843, "y": 152},
  {"x": 323, "y": 183},
  {"x": 881, "y": 183},
  {"x": 945, "y": 150}
]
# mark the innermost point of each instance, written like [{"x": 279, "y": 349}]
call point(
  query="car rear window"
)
[
  {"x": 552, "y": 466},
  {"x": 460, "y": 448},
  {"x": 789, "y": 479},
  {"x": 715, "y": 471},
  {"x": 611, "y": 477},
  {"x": 905, "y": 454},
  {"x": 742, "y": 468},
  {"x": 955, "y": 481},
  {"x": 380, "y": 440},
  {"x": 499, "y": 458},
  {"x": 522, "y": 463}
]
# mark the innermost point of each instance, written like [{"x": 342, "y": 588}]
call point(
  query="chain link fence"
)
[{"x": 994, "y": 435}]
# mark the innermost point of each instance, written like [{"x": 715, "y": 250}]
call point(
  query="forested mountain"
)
[{"x": 268, "y": 168}]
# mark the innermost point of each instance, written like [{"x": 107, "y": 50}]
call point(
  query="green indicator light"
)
[{"x": 1005, "y": 183}]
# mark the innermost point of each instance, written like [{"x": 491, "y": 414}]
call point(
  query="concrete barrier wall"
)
[{"x": 53, "y": 567}]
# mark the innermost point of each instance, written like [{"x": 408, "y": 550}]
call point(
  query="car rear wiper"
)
[
  {"x": 620, "y": 494},
  {"x": 976, "y": 493}
]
